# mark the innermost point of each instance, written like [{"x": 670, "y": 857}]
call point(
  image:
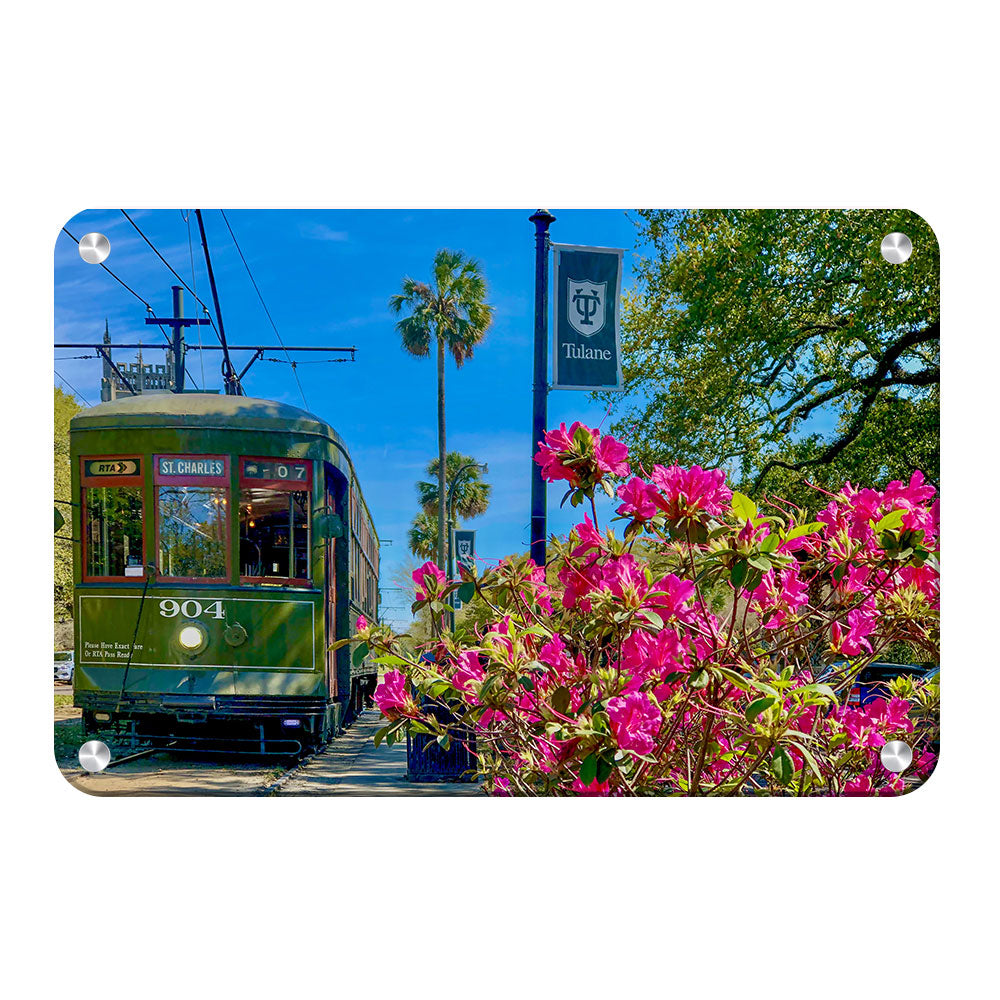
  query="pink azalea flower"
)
[
  {"x": 676, "y": 593},
  {"x": 588, "y": 537},
  {"x": 553, "y": 654},
  {"x": 580, "y": 455},
  {"x": 611, "y": 456},
  {"x": 578, "y": 582},
  {"x": 626, "y": 579},
  {"x": 501, "y": 786},
  {"x": 859, "y": 786},
  {"x": 778, "y": 596},
  {"x": 362, "y": 623},
  {"x": 392, "y": 697},
  {"x": 429, "y": 580},
  {"x": 688, "y": 493},
  {"x": 552, "y": 453},
  {"x": 639, "y": 499},
  {"x": 635, "y": 721},
  {"x": 890, "y": 717},
  {"x": 646, "y": 656},
  {"x": 467, "y": 670},
  {"x": 595, "y": 788}
]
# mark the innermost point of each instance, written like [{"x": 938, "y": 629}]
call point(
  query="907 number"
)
[{"x": 169, "y": 608}]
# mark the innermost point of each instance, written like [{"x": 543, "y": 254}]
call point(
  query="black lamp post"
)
[{"x": 484, "y": 468}]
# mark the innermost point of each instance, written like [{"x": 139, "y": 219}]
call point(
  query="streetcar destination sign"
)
[
  {"x": 586, "y": 349},
  {"x": 192, "y": 467},
  {"x": 279, "y": 470},
  {"x": 111, "y": 467}
]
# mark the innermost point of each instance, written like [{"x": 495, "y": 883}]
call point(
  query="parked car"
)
[
  {"x": 64, "y": 664},
  {"x": 870, "y": 683}
]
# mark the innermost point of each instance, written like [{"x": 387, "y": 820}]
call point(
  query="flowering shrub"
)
[{"x": 706, "y": 648}]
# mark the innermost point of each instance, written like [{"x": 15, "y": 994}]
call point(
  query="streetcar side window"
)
[
  {"x": 192, "y": 539},
  {"x": 112, "y": 531},
  {"x": 275, "y": 520},
  {"x": 274, "y": 534},
  {"x": 192, "y": 516}
]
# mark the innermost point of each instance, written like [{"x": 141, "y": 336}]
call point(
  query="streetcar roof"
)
[{"x": 203, "y": 409}]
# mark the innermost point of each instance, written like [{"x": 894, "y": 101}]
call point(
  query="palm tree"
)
[
  {"x": 470, "y": 493},
  {"x": 423, "y": 535},
  {"x": 452, "y": 310}
]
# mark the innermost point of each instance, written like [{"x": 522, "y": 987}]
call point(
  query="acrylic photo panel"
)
[{"x": 509, "y": 503}]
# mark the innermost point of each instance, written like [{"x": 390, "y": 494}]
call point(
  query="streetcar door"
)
[{"x": 330, "y": 556}]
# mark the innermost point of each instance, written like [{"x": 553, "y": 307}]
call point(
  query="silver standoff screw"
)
[
  {"x": 896, "y": 247},
  {"x": 896, "y": 756},
  {"x": 94, "y": 756},
  {"x": 94, "y": 248}
]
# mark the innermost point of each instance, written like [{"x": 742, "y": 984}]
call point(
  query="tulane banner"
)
[
  {"x": 465, "y": 549},
  {"x": 586, "y": 336}
]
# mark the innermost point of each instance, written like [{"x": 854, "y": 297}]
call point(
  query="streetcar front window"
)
[
  {"x": 113, "y": 531},
  {"x": 192, "y": 531},
  {"x": 274, "y": 534}
]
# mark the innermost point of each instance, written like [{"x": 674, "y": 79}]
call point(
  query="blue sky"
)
[{"x": 326, "y": 277}]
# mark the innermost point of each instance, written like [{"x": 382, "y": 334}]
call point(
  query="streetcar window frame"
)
[
  {"x": 277, "y": 486},
  {"x": 110, "y": 482},
  {"x": 221, "y": 483}
]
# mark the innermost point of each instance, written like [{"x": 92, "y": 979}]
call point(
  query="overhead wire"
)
[
  {"x": 149, "y": 308},
  {"x": 160, "y": 255},
  {"x": 76, "y": 392},
  {"x": 267, "y": 311}
]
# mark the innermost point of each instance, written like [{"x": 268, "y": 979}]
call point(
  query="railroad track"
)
[{"x": 174, "y": 769}]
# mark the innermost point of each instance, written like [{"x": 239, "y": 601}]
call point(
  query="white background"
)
[{"x": 489, "y": 105}]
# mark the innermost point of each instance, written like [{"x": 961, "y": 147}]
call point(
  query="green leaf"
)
[
  {"x": 781, "y": 765},
  {"x": 466, "y": 592},
  {"x": 698, "y": 679},
  {"x": 892, "y": 520},
  {"x": 760, "y": 562},
  {"x": 770, "y": 543},
  {"x": 733, "y": 678},
  {"x": 809, "y": 759},
  {"x": 359, "y": 654},
  {"x": 381, "y": 735},
  {"x": 755, "y": 708},
  {"x": 743, "y": 507},
  {"x": 605, "y": 765},
  {"x": 560, "y": 700},
  {"x": 653, "y": 618},
  {"x": 738, "y": 574},
  {"x": 801, "y": 530},
  {"x": 588, "y": 769}
]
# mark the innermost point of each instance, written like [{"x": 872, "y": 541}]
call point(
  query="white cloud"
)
[{"x": 318, "y": 231}]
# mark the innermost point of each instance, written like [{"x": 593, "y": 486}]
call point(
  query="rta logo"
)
[{"x": 588, "y": 307}]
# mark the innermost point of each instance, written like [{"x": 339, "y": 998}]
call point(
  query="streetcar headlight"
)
[{"x": 192, "y": 638}]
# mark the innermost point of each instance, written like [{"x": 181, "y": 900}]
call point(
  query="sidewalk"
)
[{"x": 351, "y": 765}]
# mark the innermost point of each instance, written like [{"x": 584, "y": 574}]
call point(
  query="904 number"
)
[{"x": 169, "y": 608}]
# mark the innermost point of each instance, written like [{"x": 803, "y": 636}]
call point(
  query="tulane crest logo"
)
[{"x": 586, "y": 306}]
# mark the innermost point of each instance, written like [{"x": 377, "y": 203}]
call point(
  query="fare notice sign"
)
[{"x": 586, "y": 334}]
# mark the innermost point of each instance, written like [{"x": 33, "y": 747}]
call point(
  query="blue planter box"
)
[{"x": 426, "y": 761}]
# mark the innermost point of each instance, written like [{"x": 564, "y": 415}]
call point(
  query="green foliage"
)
[
  {"x": 65, "y": 408},
  {"x": 452, "y": 309},
  {"x": 422, "y": 536},
  {"x": 781, "y": 346},
  {"x": 470, "y": 492}
]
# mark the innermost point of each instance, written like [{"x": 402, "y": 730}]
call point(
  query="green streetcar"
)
[{"x": 224, "y": 546}]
